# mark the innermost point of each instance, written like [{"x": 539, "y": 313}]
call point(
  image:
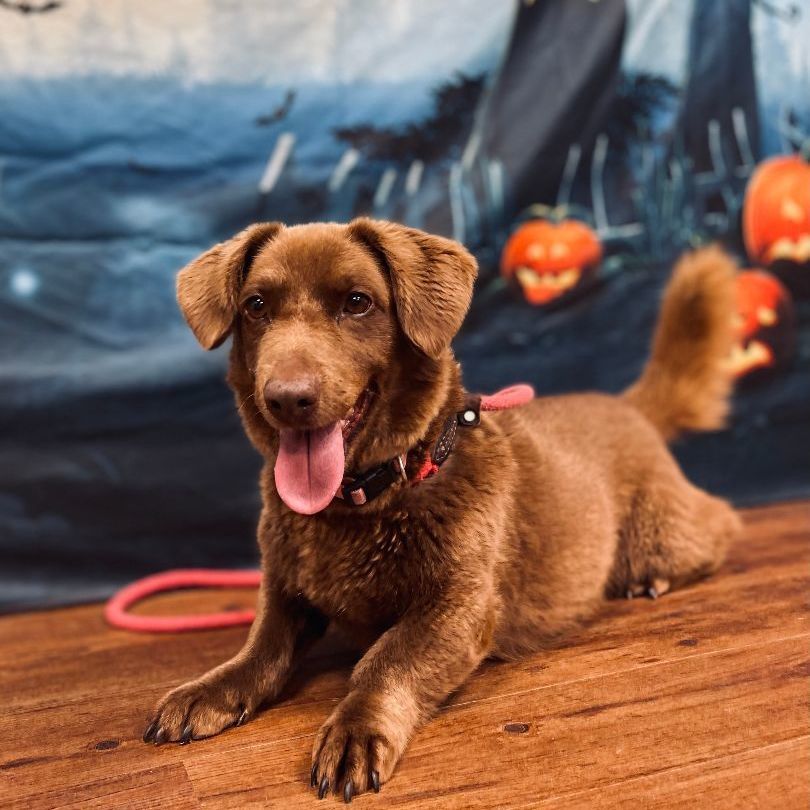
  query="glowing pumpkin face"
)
[
  {"x": 776, "y": 220},
  {"x": 550, "y": 260},
  {"x": 765, "y": 323}
]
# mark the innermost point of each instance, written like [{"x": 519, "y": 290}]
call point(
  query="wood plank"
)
[
  {"x": 775, "y": 776},
  {"x": 581, "y": 735},
  {"x": 639, "y": 634},
  {"x": 710, "y": 615},
  {"x": 166, "y": 786},
  {"x": 77, "y": 694}
]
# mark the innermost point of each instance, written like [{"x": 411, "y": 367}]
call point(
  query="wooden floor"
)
[{"x": 699, "y": 699}]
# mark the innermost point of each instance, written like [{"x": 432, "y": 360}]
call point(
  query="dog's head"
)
[{"x": 341, "y": 340}]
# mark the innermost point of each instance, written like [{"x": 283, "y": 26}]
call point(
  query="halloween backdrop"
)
[{"x": 603, "y": 136}]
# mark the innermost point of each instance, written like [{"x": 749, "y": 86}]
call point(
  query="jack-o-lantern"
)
[
  {"x": 766, "y": 326},
  {"x": 551, "y": 260},
  {"x": 776, "y": 220}
]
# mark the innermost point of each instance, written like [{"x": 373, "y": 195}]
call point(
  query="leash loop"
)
[{"x": 116, "y": 611}]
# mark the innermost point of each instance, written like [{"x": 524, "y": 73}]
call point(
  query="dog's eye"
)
[
  {"x": 357, "y": 303},
  {"x": 255, "y": 307}
]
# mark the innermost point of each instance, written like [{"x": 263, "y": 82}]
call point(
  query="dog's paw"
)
[
  {"x": 352, "y": 752},
  {"x": 202, "y": 708},
  {"x": 655, "y": 588}
]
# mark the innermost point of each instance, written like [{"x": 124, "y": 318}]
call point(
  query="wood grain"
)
[
  {"x": 166, "y": 786},
  {"x": 699, "y": 698}
]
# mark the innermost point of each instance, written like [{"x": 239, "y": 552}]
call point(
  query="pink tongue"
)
[{"x": 309, "y": 467}]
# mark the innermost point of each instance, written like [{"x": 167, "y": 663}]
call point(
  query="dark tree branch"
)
[
  {"x": 279, "y": 113},
  {"x": 23, "y": 7},
  {"x": 430, "y": 139},
  {"x": 789, "y": 12}
]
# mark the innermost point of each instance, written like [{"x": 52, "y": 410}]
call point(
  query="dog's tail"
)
[{"x": 686, "y": 383}]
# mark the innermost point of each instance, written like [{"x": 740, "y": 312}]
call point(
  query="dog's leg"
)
[
  {"x": 229, "y": 694},
  {"x": 395, "y": 687},
  {"x": 674, "y": 535}
]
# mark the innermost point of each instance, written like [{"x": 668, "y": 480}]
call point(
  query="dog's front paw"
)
[
  {"x": 221, "y": 699},
  {"x": 355, "y": 749}
]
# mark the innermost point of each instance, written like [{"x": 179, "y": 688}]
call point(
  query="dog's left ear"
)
[
  {"x": 208, "y": 287},
  {"x": 432, "y": 279}
]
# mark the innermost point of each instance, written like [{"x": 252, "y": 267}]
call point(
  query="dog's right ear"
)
[{"x": 208, "y": 287}]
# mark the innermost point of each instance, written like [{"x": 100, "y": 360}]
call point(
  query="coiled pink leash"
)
[{"x": 116, "y": 611}]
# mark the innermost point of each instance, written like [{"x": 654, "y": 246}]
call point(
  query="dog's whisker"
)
[{"x": 244, "y": 402}]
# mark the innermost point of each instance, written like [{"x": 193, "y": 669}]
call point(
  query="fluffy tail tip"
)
[{"x": 687, "y": 381}]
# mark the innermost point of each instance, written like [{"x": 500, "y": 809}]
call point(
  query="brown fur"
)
[
  {"x": 538, "y": 516},
  {"x": 687, "y": 381}
]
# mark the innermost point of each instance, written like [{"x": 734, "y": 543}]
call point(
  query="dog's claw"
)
[
  {"x": 313, "y": 775},
  {"x": 651, "y": 588},
  {"x": 348, "y": 791},
  {"x": 323, "y": 789},
  {"x": 242, "y": 718},
  {"x": 375, "y": 781},
  {"x": 185, "y": 737},
  {"x": 160, "y": 737},
  {"x": 149, "y": 734}
]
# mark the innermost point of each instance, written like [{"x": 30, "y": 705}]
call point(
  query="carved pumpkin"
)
[
  {"x": 776, "y": 220},
  {"x": 766, "y": 326},
  {"x": 550, "y": 260}
]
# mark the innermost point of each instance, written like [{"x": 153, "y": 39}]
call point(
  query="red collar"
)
[{"x": 366, "y": 486}]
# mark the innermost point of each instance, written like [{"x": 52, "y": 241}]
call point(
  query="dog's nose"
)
[{"x": 289, "y": 400}]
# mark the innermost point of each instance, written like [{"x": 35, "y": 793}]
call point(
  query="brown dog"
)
[{"x": 341, "y": 365}]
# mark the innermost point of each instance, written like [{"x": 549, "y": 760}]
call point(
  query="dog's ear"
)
[
  {"x": 432, "y": 279},
  {"x": 208, "y": 287}
]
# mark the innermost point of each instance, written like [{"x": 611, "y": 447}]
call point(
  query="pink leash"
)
[
  {"x": 116, "y": 611},
  {"x": 506, "y": 398}
]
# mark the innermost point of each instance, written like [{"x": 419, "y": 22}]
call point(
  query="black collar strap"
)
[{"x": 365, "y": 487}]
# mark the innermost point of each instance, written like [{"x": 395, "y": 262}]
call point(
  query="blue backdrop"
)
[{"x": 134, "y": 135}]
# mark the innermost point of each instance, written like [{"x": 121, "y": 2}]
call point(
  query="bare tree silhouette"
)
[
  {"x": 639, "y": 96},
  {"x": 432, "y": 139}
]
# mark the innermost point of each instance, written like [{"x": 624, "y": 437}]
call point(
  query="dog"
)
[{"x": 432, "y": 542}]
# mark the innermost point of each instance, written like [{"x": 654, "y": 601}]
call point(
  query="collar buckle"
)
[
  {"x": 399, "y": 463},
  {"x": 372, "y": 483}
]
